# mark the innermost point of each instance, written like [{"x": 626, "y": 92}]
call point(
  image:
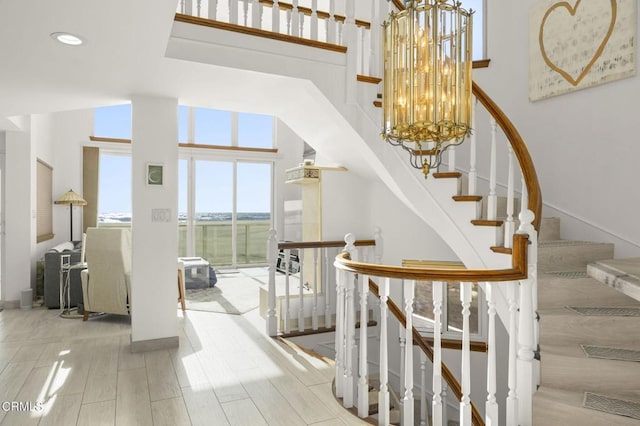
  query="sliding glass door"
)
[{"x": 224, "y": 210}]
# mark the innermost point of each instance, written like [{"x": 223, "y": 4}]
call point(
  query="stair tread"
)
[
  {"x": 554, "y": 406},
  {"x": 487, "y": 222},
  {"x": 447, "y": 175},
  {"x": 503, "y": 250},
  {"x": 377, "y": 104}
]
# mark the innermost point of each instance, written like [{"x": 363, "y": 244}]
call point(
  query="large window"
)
[
  {"x": 114, "y": 190},
  {"x": 112, "y": 121}
]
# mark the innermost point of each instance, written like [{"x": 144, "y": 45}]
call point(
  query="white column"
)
[
  {"x": 272, "y": 259},
  {"x": 20, "y": 213},
  {"x": 491, "y": 406},
  {"x": 154, "y": 240},
  {"x": 407, "y": 399},
  {"x": 383, "y": 397},
  {"x": 437, "y": 409},
  {"x": 465, "y": 401}
]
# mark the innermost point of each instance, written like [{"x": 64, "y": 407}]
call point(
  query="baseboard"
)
[
  {"x": 154, "y": 344},
  {"x": 10, "y": 304}
]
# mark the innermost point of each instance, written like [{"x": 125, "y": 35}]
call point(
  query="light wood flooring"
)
[{"x": 225, "y": 372}]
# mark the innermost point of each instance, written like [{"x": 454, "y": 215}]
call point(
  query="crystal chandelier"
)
[{"x": 427, "y": 79}]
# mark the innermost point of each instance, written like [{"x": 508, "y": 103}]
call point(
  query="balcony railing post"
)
[
  {"x": 351, "y": 41},
  {"x": 363, "y": 381},
  {"x": 350, "y": 326},
  {"x": 465, "y": 400},
  {"x": 437, "y": 408},
  {"x": 272, "y": 253},
  {"x": 407, "y": 399},
  {"x": 326, "y": 289},
  {"x": 331, "y": 23},
  {"x": 491, "y": 406},
  {"x": 313, "y": 29},
  {"x": 275, "y": 17},
  {"x": 383, "y": 397},
  {"x": 233, "y": 11}
]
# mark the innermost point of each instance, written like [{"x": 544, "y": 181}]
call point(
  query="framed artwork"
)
[
  {"x": 155, "y": 174},
  {"x": 577, "y": 44}
]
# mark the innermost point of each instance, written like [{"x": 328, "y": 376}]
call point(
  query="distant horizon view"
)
[{"x": 182, "y": 216}]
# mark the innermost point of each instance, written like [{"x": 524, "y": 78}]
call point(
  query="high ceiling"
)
[{"x": 123, "y": 55}]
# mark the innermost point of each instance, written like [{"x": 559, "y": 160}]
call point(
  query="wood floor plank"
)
[
  {"x": 163, "y": 382},
  {"x": 98, "y": 414},
  {"x": 128, "y": 360},
  {"x": 103, "y": 372},
  {"x": 170, "y": 412},
  {"x": 32, "y": 392},
  {"x": 272, "y": 405},
  {"x": 224, "y": 382},
  {"x": 12, "y": 379},
  {"x": 303, "y": 401},
  {"x": 243, "y": 412},
  {"x": 203, "y": 406},
  {"x": 133, "y": 406},
  {"x": 64, "y": 412}
]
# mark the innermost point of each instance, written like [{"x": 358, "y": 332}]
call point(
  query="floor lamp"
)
[{"x": 71, "y": 199}]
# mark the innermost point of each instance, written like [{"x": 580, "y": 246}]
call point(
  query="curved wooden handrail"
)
[
  {"x": 518, "y": 271},
  {"x": 521, "y": 151},
  {"x": 428, "y": 351}
]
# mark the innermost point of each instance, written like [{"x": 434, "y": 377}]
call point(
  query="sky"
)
[{"x": 213, "y": 179}]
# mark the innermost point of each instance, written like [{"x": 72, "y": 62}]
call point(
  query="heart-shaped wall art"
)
[{"x": 572, "y": 36}]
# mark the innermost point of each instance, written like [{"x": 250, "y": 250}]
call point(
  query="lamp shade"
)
[{"x": 71, "y": 198}]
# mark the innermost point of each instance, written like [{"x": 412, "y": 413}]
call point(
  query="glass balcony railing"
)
[{"x": 213, "y": 241}]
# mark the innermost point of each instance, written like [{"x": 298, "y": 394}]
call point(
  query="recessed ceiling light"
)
[{"x": 67, "y": 38}]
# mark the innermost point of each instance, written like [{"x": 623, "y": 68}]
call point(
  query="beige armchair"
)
[{"x": 106, "y": 283}]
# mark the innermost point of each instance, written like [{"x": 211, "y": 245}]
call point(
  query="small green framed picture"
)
[{"x": 155, "y": 174}]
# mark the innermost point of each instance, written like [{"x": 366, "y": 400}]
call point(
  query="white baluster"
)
[
  {"x": 424, "y": 415},
  {"x": 256, "y": 14},
  {"x": 341, "y": 279},
  {"x": 465, "y": 400},
  {"x": 379, "y": 248},
  {"x": 198, "y": 8},
  {"x": 272, "y": 253},
  {"x": 407, "y": 400},
  {"x": 383, "y": 396},
  {"x": 182, "y": 7},
  {"x": 509, "y": 225},
  {"x": 526, "y": 321},
  {"x": 289, "y": 22},
  {"x": 373, "y": 39},
  {"x": 314, "y": 20},
  {"x": 351, "y": 41},
  {"x": 287, "y": 297},
  {"x": 445, "y": 411},
  {"x": 314, "y": 313},
  {"x": 436, "y": 410},
  {"x": 213, "y": 10},
  {"x": 233, "y": 11},
  {"x": 512, "y": 380},
  {"x": 326, "y": 288},
  {"x": 363, "y": 381},
  {"x": 275, "y": 16},
  {"x": 301, "y": 286},
  {"x": 301, "y": 14},
  {"x": 295, "y": 20},
  {"x": 363, "y": 63},
  {"x": 491, "y": 406},
  {"x": 492, "y": 199},
  {"x": 331, "y": 23},
  {"x": 473, "y": 173},
  {"x": 350, "y": 325},
  {"x": 245, "y": 12},
  {"x": 403, "y": 345},
  {"x": 188, "y": 7}
]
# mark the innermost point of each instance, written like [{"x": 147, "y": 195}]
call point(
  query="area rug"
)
[
  {"x": 619, "y": 407},
  {"x": 604, "y": 352},
  {"x": 236, "y": 292}
]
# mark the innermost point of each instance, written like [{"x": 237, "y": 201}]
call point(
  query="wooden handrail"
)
[
  {"x": 518, "y": 271},
  {"x": 428, "y": 351},
  {"x": 321, "y": 244},
  {"x": 521, "y": 151}
]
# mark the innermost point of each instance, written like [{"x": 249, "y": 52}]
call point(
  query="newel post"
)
[
  {"x": 272, "y": 258},
  {"x": 526, "y": 335}
]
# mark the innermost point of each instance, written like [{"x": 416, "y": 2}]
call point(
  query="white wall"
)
[
  {"x": 19, "y": 213},
  {"x": 582, "y": 143},
  {"x": 154, "y": 242}
]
